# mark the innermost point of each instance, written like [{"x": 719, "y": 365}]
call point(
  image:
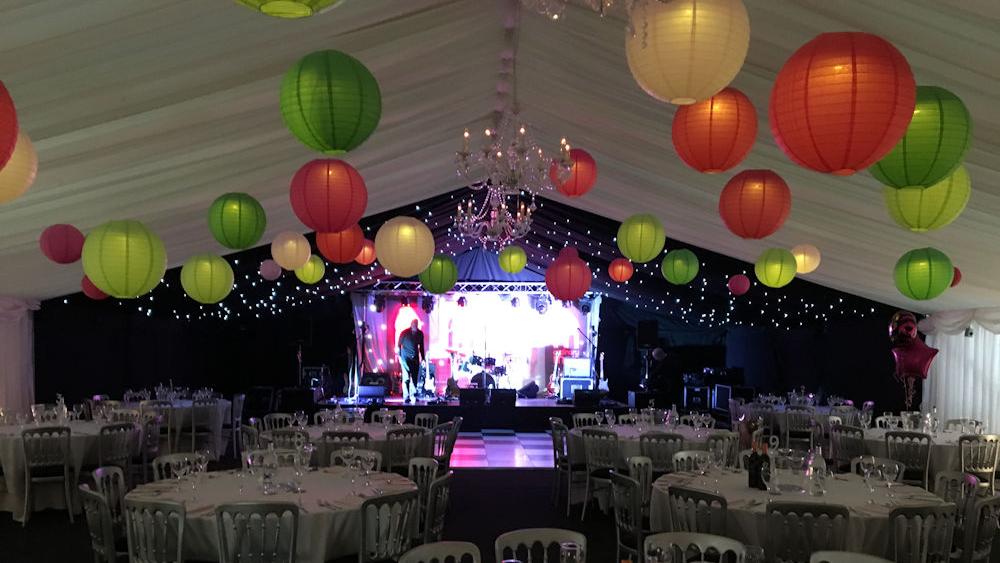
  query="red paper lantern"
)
[
  {"x": 367, "y": 255},
  {"x": 341, "y": 247},
  {"x": 569, "y": 277},
  {"x": 582, "y": 174},
  {"x": 8, "y": 125},
  {"x": 956, "y": 277},
  {"x": 716, "y": 134},
  {"x": 328, "y": 195},
  {"x": 738, "y": 284},
  {"x": 755, "y": 203},
  {"x": 621, "y": 270},
  {"x": 841, "y": 102},
  {"x": 61, "y": 243},
  {"x": 91, "y": 290}
]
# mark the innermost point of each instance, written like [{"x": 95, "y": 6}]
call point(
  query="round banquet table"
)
[
  {"x": 628, "y": 439},
  {"x": 329, "y": 513},
  {"x": 180, "y": 414},
  {"x": 867, "y": 527},
  {"x": 83, "y": 450},
  {"x": 376, "y": 433},
  {"x": 944, "y": 450}
]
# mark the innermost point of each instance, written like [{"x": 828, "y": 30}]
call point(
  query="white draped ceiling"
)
[{"x": 150, "y": 109}]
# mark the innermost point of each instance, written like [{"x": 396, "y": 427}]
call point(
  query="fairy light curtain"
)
[{"x": 964, "y": 380}]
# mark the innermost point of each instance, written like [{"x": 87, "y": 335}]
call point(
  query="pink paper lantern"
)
[
  {"x": 270, "y": 270},
  {"x": 91, "y": 290},
  {"x": 739, "y": 284},
  {"x": 61, "y": 243}
]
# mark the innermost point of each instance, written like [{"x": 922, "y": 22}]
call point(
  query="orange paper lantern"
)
[
  {"x": 621, "y": 270},
  {"x": 367, "y": 254},
  {"x": 841, "y": 102},
  {"x": 755, "y": 203},
  {"x": 341, "y": 247},
  {"x": 328, "y": 195},
  {"x": 582, "y": 174},
  {"x": 715, "y": 134}
]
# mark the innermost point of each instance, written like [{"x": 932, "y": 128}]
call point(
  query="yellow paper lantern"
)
[
  {"x": 404, "y": 246},
  {"x": 775, "y": 267},
  {"x": 290, "y": 250},
  {"x": 124, "y": 259},
  {"x": 685, "y": 51},
  {"x": 807, "y": 258},
  {"x": 312, "y": 271},
  {"x": 207, "y": 278},
  {"x": 925, "y": 209},
  {"x": 19, "y": 173}
]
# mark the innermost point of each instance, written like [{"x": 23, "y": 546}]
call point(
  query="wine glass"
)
[
  {"x": 399, "y": 417},
  {"x": 718, "y": 462},
  {"x": 368, "y": 463},
  {"x": 867, "y": 470},
  {"x": 890, "y": 471},
  {"x": 767, "y": 474},
  {"x": 655, "y": 554},
  {"x": 866, "y": 419},
  {"x": 180, "y": 468},
  {"x": 609, "y": 414},
  {"x": 298, "y": 417},
  {"x": 600, "y": 417}
]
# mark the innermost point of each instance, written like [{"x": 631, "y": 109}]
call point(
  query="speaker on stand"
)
[{"x": 647, "y": 337}]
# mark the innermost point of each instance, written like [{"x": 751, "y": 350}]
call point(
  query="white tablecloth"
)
[
  {"x": 325, "y": 532},
  {"x": 376, "y": 433},
  {"x": 83, "y": 449},
  {"x": 181, "y": 421},
  {"x": 628, "y": 439},
  {"x": 868, "y": 525},
  {"x": 944, "y": 450}
]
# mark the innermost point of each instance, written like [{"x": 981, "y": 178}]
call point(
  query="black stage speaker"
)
[
  {"x": 529, "y": 391},
  {"x": 569, "y": 385},
  {"x": 696, "y": 397},
  {"x": 587, "y": 398},
  {"x": 647, "y": 334},
  {"x": 504, "y": 398},
  {"x": 472, "y": 397},
  {"x": 376, "y": 378},
  {"x": 371, "y": 392}
]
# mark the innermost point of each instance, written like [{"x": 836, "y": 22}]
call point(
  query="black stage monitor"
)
[
  {"x": 587, "y": 398},
  {"x": 472, "y": 397},
  {"x": 505, "y": 398},
  {"x": 371, "y": 392},
  {"x": 376, "y": 378}
]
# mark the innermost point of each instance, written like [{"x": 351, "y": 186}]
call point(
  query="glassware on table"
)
[
  {"x": 399, "y": 417},
  {"x": 867, "y": 465},
  {"x": 367, "y": 464},
  {"x": 769, "y": 476},
  {"x": 299, "y": 418},
  {"x": 890, "y": 471},
  {"x": 866, "y": 419},
  {"x": 571, "y": 552},
  {"x": 599, "y": 415},
  {"x": 753, "y": 554},
  {"x": 609, "y": 415},
  {"x": 656, "y": 554},
  {"x": 718, "y": 462}
]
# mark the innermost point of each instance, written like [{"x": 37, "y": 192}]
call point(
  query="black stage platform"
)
[{"x": 526, "y": 415}]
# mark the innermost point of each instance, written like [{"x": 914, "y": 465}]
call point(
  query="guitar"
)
[{"x": 602, "y": 380}]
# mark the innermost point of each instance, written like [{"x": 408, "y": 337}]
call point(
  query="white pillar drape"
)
[
  {"x": 17, "y": 354},
  {"x": 964, "y": 380}
]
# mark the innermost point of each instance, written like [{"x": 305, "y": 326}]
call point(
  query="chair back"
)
[
  {"x": 660, "y": 447},
  {"x": 584, "y": 419},
  {"x": 426, "y": 420},
  {"x": 912, "y": 449},
  {"x": 386, "y": 416},
  {"x": 114, "y": 444},
  {"x": 600, "y": 448},
  {"x": 536, "y": 545},
  {"x": 965, "y": 425},
  {"x": 99, "y": 525},
  {"x": 257, "y": 532},
  {"x": 798, "y": 425},
  {"x": 918, "y": 534},
  {"x": 795, "y": 530},
  {"x": 155, "y": 531},
  {"x": 560, "y": 440},
  {"x": 626, "y": 498},
  {"x": 236, "y": 409},
  {"x": 888, "y": 421},
  {"x": 163, "y": 466},
  {"x": 846, "y": 443},
  {"x": 640, "y": 468},
  {"x": 276, "y": 420},
  {"x": 687, "y": 546},
  {"x": 628, "y": 419},
  {"x": 339, "y": 457},
  {"x": 697, "y": 511},
  {"x": 980, "y": 528},
  {"x": 422, "y": 471},
  {"x": 686, "y": 460},
  {"x": 337, "y": 439},
  {"x": 402, "y": 444},
  {"x": 126, "y": 415},
  {"x": 979, "y": 456},
  {"x": 151, "y": 422},
  {"x": 386, "y": 526},
  {"x": 444, "y": 442},
  {"x": 437, "y": 507},
  {"x": 286, "y": 457},
  {"x": 955, "y": 486},
  {"x": 46, "y": 447},
  {"x": 443, "y": 552},
  {"x": 848, "y": 414},
  {"x": 844, "y": 557},
  {"x": 288, "y": 438},
  {"x": 110, "y": 481},
  {"x": 726, "y": 442}
]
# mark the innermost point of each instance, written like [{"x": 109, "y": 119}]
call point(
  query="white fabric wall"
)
[
  {"x": 17, "y": 360},
  {"x": 964, "y": 379}
]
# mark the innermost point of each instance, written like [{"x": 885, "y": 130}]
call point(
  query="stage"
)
[{"x": 527, "y": 415}]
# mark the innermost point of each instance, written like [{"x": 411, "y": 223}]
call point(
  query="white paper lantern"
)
[
  {"x": 404, "y": 246},
  {"x": 807, "y": 258},
  {"x": 685, "y": 51},
  {"x": 290, "y": 250}
]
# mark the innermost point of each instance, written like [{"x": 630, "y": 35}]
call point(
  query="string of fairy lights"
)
[{"x": 704, "y": 303}]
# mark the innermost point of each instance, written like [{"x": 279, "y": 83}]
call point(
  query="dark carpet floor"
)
[{"x": 484, "y": 504}]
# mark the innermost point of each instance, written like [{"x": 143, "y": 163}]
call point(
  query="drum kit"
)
[{"x": 482, "y": 371}]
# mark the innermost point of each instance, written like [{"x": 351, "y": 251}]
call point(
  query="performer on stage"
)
[{"x": 411, "y": 353}]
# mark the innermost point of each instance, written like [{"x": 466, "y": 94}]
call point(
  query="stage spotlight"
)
[
  {"x": 462, "y": 302},
  {"x": 427, "y": 304},
  {"x": 514, "y": 302},
  {"x": 542, "y": 304},
  {"x": 585, "y": 307},
  {"x": 379, "y": 304}
]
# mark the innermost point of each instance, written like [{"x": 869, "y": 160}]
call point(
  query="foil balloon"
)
[
  {"x": 913, "y": 357},
  {"x": 902, "y": 328}
]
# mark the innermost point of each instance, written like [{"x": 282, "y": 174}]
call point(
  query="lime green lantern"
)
[
  {"x": 312, "y": 271},
  {"x": 923, "y": 273},
  {"x": 124, "y": 259},
  {"x": 934, "y": 144},
  {"x": 680, "y": 266},
  {"x": 289, "y": 9},
  {"x": 440, "y": 276},
  {"x": 236, "y": 220},
  {"x": 512, "y": 259},
  {"x": 207, "y": 278},
  {"x": 775, "y": 267},
  {"x": 330, "y": 102},
  {"x": 925, "y": 209},
  {"x": 641, "y": 238}
]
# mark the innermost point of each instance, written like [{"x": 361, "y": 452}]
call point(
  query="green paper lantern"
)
[
  {"x": 330, "y": 102},
  {"x": 925, "y": 209},
  {"x": 312, "y": 271},
  {"x": 775, "y": 267},
  {"x": 124, "y": 259},
  {"x": 641, "y": 238},
  {"x": 512, "y": 259},
  {"x": 680, "y": 266},
  {"x": 289, "y": 9},
  {"x": 236, "y": 220},
  {"x": 934, "y": 144},
  {"x": 440, "y": 276},
  {"x": 207, "y": 278},
  {"x": 923, "y": 273}
]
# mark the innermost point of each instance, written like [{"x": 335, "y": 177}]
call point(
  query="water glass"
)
[
  {"x": 754, "y": 554},
  {"x": 571, "y": 552}
]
